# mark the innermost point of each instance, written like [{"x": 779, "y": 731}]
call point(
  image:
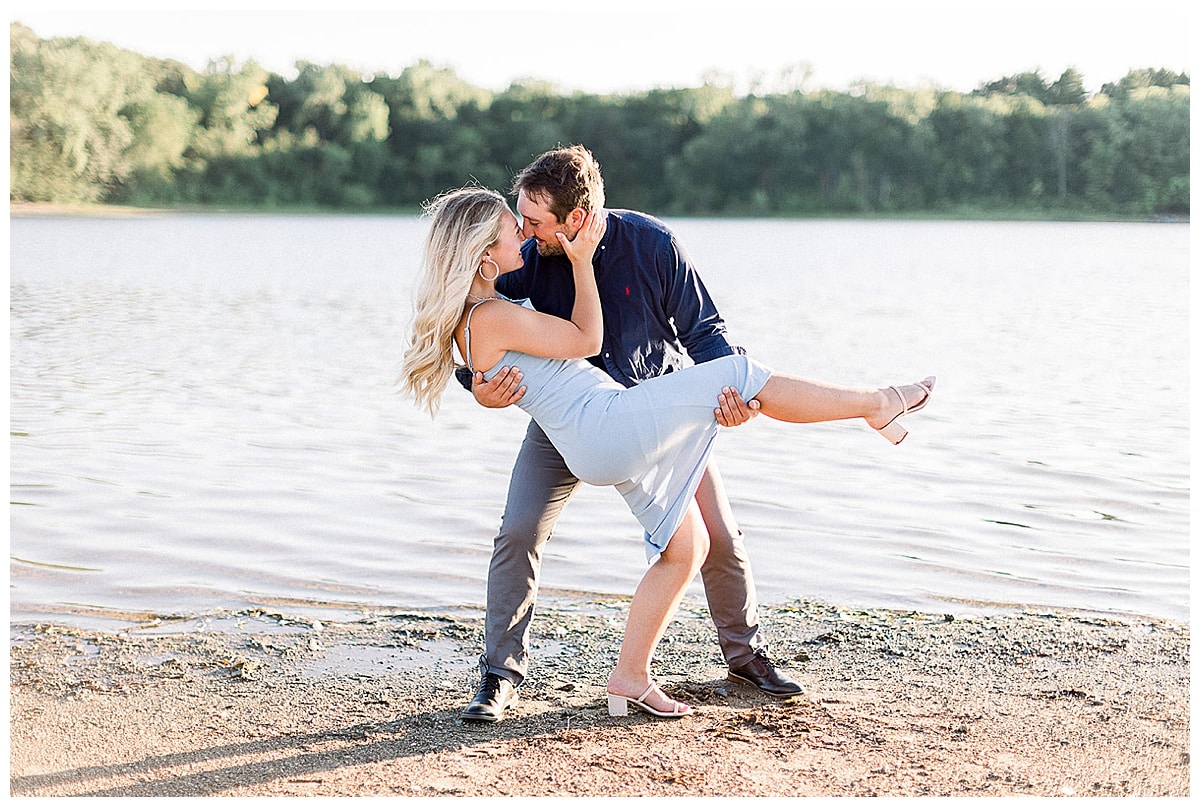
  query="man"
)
[{"x": 655, "y": 307}]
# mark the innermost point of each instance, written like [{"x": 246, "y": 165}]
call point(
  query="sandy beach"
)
[{"x": 897, "y": 704}]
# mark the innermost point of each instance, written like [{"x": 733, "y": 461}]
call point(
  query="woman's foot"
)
[
  {"x": 651, "y": 699},
  {"x": 901, "y": 401}
]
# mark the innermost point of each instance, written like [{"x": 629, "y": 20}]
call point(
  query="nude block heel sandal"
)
[
  {"x": 618, "y": 705},
  {"x": 892, "y": 430}
]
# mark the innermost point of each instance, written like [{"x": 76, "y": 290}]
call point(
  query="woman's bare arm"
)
[{"x": 499, "y": 327}]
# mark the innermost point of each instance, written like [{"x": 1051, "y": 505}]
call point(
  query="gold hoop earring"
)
[{"x": 493, "y": 263}]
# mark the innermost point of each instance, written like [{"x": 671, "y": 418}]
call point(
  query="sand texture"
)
[{"x": 898, "y": 704}]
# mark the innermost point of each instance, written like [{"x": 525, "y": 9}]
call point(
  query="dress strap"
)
[{"x": 467, "y": 332}]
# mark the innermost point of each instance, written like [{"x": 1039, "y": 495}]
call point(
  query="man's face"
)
[{"x": 538, "y": 223}]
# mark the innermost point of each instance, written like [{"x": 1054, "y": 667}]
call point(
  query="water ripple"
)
[{"x": 195, "y": 428}]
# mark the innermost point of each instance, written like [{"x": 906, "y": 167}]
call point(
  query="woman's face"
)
[{"x": 506, "y": 252}]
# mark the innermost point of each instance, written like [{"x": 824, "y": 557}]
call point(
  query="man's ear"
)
[{"x": 575, "y": 218}]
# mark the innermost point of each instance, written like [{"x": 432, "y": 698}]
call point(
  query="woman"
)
[{"x": 651, "y": 441}]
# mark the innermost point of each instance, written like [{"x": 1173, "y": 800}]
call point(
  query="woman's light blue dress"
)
[{"x": 651, "y": 441}]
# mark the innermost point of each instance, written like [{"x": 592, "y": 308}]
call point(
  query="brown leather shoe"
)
[{"x": 760, "y": 672}]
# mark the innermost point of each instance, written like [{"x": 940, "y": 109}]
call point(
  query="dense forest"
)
[{"x": 94, "y": 123}]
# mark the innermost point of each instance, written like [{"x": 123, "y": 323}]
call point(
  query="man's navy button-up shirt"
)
[{"x": 655, "y": 306}]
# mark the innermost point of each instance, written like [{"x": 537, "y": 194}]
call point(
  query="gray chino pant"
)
[{"x": 539, "y": 489}]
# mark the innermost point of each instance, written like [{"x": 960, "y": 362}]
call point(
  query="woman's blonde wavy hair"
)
[{"x": 465, "y": 223}]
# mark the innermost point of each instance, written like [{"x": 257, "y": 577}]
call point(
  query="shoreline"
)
[
  {"x": 898, "y": 703},
  {"x": 969, "y": 214}
]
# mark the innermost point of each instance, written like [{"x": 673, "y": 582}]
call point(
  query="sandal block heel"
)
[
  {"x": 894, "y": 432},
  {"x": 618, "y": 706}
]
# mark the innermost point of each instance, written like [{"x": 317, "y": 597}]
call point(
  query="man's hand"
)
[
  {"x": 503, "y": 390},
  {"x": 732, "y": 410}
]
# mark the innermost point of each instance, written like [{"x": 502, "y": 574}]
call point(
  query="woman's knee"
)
[{"x": 690, "y": 543}]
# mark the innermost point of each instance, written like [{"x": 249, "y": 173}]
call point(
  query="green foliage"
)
[
  {"x": 92, "y": 123},
  {"x": 77, "y": 110}
]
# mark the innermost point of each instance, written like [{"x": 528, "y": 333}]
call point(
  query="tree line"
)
[{"x": 91, "y": 122}]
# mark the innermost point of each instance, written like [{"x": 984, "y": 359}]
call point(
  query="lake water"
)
[{"x": 203, "y": 418}]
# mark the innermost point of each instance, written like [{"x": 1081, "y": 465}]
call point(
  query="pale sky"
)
[{"x": 626, "y": 45}]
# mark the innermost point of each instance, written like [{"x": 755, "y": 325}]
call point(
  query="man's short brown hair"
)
[{"x": 563, "y": 179}]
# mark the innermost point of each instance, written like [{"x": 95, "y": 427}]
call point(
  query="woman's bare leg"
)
[
  {"x": 654, "y": 602},
  {"x": 801, "y": 400}
]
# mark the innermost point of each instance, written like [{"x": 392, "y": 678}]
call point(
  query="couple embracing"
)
[{"x": 596, "y": 324}]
